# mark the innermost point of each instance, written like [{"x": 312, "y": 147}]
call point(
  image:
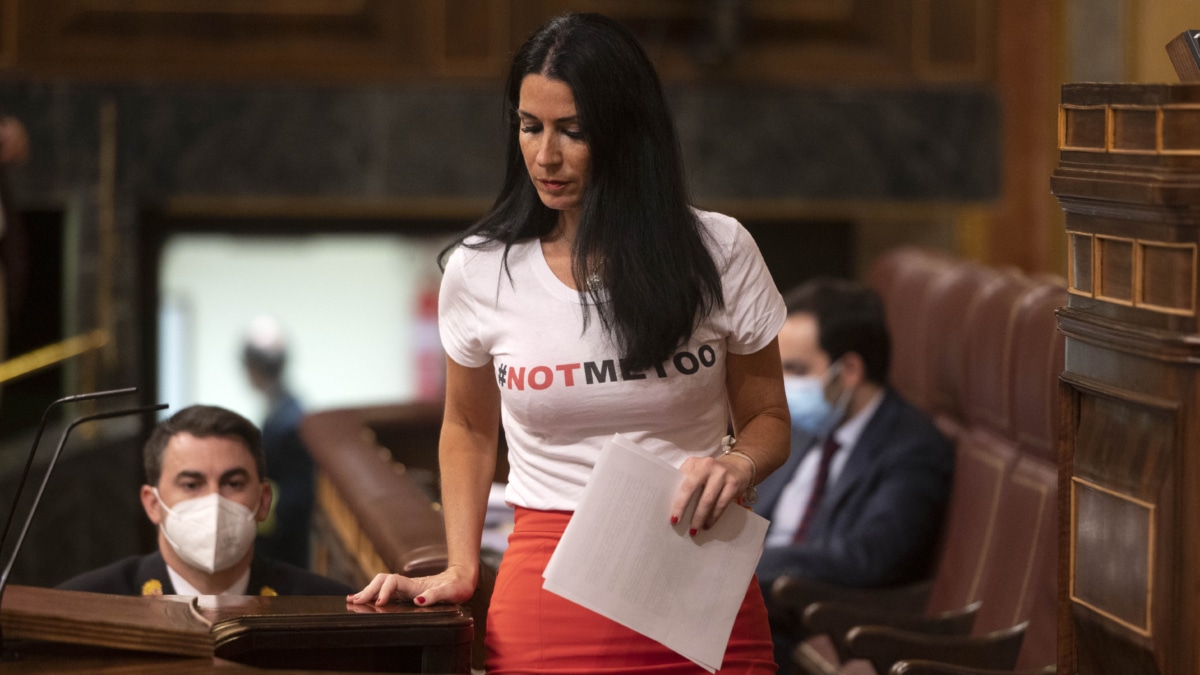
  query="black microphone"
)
[
  {"x": 38, "y": 437},
  {"x": 50, "y": 469}
]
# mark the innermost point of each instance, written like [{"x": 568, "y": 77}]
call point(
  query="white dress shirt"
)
[{"x": 182, "y": 587}]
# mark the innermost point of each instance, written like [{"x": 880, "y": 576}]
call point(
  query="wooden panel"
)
[
  {"x": 1079, "y": 263},
  {"x": 474, "y": 37},
  {"x": 1181, "y": 129},
  {"x": 1152, "y": 275},
  {"x": 1083, "y": 128},
  {"x": 806, "y": 40},
  {"x": 1168, "y": 277},
  {"x": 221, "y": 38},
  {"x": 758, "y": 40},
  {"x": 1134, "y": 130},
  {"x": 1124, "y": 444},
  {"x": 1165, "y": 128},
  {"x": 1115, "y": 269},
  {"x": 952, "y": 38},
  {"x": 8, "y": 32},
  {"x": 1025, "y": 226},
  {"x": 1112, "y": 555}
]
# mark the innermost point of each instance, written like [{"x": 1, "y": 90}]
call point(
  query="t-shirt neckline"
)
[{"x": 541, "y": 269}]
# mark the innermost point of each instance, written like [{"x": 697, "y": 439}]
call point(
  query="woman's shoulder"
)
[
  {"x": 477, "y": 250},
  {"x": 477, "y": 260},
  {"x": 717, "y": 223},
  {"x": 723, "y": 234}
]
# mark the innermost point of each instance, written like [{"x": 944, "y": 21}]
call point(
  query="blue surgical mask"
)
[
  {"x": 806, "y": 402},
  {"x": 810, "y": 410}
]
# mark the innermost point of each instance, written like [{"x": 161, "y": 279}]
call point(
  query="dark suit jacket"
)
[
  {"x": 147, "y": 575},
  {"x": 878, "y": 524}
]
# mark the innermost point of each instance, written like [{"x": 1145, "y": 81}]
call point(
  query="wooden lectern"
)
[
  {"x": 1129, "y": 182},
  {"x": 214, "y": 633}
]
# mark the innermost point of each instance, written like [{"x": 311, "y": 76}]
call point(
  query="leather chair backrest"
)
[
  {"x": 988, "y": 354},
  {"x": 953, "y": 306},
  {"x": 1038, "y": 352},
  {"x": 1025, "y": 532},
  {"x": 981, "y": 470},
  {"x": 903, "y": 278},
  {"x": 1040, "y": 647}
]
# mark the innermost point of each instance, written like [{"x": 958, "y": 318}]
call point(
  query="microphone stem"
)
[
  {"x": 37, "y": 437},
  {"x": 46, "y": 479}
]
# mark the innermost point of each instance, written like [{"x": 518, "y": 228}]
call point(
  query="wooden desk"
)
[
  {"x": 307, "y": 633},
  {"x": 53, "y": 658}
]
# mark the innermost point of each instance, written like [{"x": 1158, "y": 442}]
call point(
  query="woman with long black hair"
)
[{"x": 594, "y": 299}]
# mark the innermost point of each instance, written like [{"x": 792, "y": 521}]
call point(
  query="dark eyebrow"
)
[
  {"x": 572, "y": 118},
  {"x": 189, "y": 475},
  {"x": 235, "y": 473}
]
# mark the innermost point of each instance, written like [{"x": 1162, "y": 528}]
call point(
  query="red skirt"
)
[{"x": 530, "y": 630}]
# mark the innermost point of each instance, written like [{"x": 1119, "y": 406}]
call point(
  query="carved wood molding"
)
[
  {"x": 1158, "y": 345},
  {"x": 364, "y": 40},
  {"x": 220, "y": 38}
]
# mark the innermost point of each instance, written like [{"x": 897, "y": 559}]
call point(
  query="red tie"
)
[{"x": 814, "y": 501}]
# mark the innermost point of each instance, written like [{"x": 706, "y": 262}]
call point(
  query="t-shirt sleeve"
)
[
  {"x": 458, "y": 320},
  {"x": 753, "y": 306}
]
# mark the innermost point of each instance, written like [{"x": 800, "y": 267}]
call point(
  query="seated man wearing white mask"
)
[
  {"x": 206, "y": 490},
  {"x": 861, "y": 498}
]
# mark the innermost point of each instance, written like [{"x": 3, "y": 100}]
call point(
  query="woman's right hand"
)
[{"x": 455, "y": 585}]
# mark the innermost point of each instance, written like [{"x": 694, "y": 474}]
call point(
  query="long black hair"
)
[{"x": 636, "y": 223}]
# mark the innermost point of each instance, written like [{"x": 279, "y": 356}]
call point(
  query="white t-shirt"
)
[{"x": 564, "y": 391}]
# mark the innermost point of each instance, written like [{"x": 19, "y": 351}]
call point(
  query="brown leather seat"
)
[
  {"x": 980, "y": 474},
  {"x": 903, "y": 278},
  {"x": 1020, "y": 584},
  {"x": 1038, "y": 354},
  {"x": 988, "y": 353},
  {"x": 995, "y": 355},
  {"x": 954, "y": 303}
]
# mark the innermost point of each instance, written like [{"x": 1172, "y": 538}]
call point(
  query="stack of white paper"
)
[{"x": 621, "y": 558}]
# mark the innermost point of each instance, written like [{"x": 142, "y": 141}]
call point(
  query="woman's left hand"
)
[{"x": 718, "y": 481}]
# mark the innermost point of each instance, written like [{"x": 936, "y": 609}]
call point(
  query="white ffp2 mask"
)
[{"x": 210, "y": 532}]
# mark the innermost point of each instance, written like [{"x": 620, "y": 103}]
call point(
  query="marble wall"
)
[{"x": 877, "y": 144}]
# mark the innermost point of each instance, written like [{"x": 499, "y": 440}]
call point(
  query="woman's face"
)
[{"x": 556, "y": 155}]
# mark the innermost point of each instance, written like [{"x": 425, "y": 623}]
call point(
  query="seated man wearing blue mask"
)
[
  {"x": 860, "y": 500},
  {"x": 206, "y": 490}
]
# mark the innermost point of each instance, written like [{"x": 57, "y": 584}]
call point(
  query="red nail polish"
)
[
  {"x": 692, "y": 531},
  {"x": 674, "y": 519},
  {"x": 420, "y": 600}
]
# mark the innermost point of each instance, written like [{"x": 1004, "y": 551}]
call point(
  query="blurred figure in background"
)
[{"x": 284, "y": 535}]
